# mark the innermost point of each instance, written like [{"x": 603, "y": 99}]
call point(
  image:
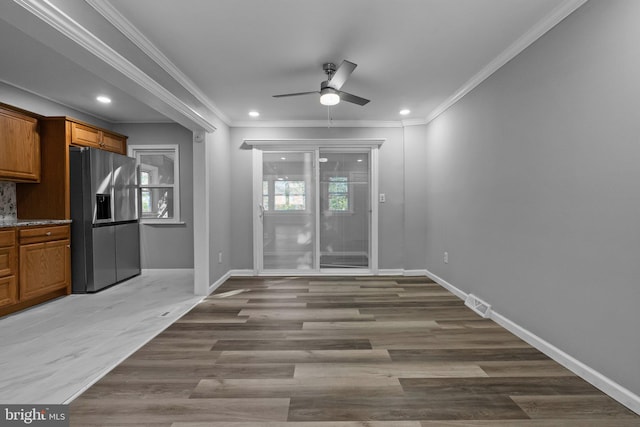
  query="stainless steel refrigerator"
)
[{"x": 105, "y": 236}]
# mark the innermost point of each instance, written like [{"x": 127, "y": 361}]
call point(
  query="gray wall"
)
[
  {"x": 30, "y": 102},
  {"x": 167, "y": 245},
  {"x": 218, "y": 161},
  {"x": 532, "y": 188},
  {"x": 391, "y": 213},
  {"x": 415, "y": 198}
]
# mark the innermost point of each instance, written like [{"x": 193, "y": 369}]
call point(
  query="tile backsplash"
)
[{"x": 8, "y": 208}]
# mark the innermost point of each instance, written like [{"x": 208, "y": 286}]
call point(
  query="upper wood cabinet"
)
[
  {"x": 85, "y": 135},
  {"x": 90, "y": 136},
  {"x": 114, "y": 142},
  {"x": 51, "y": 198},
  {"x": 19, "y": 147}
]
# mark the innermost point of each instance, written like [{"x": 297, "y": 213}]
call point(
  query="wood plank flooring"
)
[{"x": 343, "y": 352}]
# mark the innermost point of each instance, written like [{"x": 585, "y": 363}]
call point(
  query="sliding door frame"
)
[{"x": 330, "y": 145}]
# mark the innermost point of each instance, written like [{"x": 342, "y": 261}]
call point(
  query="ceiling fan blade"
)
[
  {"x": 344, "y": 96},
  {"x": 342, "y": 73},
  {"x": 295, "y": 94}
]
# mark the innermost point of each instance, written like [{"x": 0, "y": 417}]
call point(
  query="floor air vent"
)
[{"x": 479, "y": 306}]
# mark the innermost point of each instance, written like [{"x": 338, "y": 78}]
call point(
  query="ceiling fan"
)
[{"x": 330, "y": 93}]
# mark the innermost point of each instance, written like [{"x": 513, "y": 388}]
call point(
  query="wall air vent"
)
[{"x": 479, "y": 306}]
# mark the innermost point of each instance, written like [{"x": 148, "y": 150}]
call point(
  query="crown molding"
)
[
  {"x": 63, "y": 23},
  {"x": 111, "y": 14},
  {"x": 414, "y": 122},
  {"x": 563, "y": 10},
  {"x": 316, "y": 124}
]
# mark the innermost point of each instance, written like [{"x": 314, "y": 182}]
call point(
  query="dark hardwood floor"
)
[{"x": 365, "y": 351}]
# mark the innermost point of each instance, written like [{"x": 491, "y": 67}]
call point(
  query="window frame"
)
[{"x": 134, "y": 151}]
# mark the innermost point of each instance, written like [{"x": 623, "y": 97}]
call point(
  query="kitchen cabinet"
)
[
  {"x": 45, "y": 260},
  {"x": 8, "y": 283},
  {"x": 89, "y": 136},
  {"x": 84, "y": 135},
  {"x": 114, "y": 142},
  {"x": 35, "y": 265},
  {"x": 51, "y": 198},
  {"x": 19, "y": 147}
]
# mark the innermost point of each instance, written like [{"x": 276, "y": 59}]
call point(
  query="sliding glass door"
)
[
  {"x": 288, "y": 211},
  {"x": 345, "y": 210},
  {"x": 314, "y": 211}
]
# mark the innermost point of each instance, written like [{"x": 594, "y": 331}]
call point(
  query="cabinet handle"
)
[{"x": 48, "y": 233}]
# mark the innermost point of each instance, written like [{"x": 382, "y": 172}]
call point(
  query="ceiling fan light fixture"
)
[{"x": 329, "y": 96}]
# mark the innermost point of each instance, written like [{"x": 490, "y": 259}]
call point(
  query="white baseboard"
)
[
  {"x": 219, "y": 282},
  {"x": 595, "y": 378},
  {"x": 241, "y": 273},
  {"x": 414, "y": 273},
  {"x": 448, "y": 286},
  {"x": 390, "y": 272},
  {"x": 346, "y": 272}
]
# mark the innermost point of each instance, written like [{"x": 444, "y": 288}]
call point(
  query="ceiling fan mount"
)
[{"x": 330, "y": 93}]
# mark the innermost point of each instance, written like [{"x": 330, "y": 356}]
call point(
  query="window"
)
[
  {"x": 289, "y": 196},
  {"x": 158, "y": 180},
  {"x": 339, "y": 194}
]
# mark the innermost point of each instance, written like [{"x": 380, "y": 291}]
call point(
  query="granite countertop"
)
[{"x": 30, "y": 222}]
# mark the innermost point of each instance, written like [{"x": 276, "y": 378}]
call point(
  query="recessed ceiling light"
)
[
  {"x": 104, "y": 99},
  {"x": 404, "y": 112},
  {"x": 359, "y": 160},
  {"x": 283, "y": 158},
  {"x": 254, "y": 114}
]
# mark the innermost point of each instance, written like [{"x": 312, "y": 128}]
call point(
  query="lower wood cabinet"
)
[
  {"x": 8, "y": 291},
  {"x": 8, "y": 284},
  {"x": 35, "y": 266},
  {"x": 44, "y": 267}
]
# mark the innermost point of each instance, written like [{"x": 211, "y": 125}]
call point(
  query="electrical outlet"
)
[
  {"x": 219, "y": 257},
  {"x": 446, "y": 257},
  {"x": 382, "y": 198}
]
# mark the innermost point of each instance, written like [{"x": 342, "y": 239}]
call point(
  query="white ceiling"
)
[{"x": 185, "y": 60}]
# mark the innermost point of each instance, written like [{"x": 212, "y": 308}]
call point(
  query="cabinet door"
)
[
  {"x": 8, "y": 291},
  {"x": 44, "y": 267},
  {"x": 85, "y": 135},
  {"x": 114, "y": 143},
  {"x": 19, "y": 147},
  {"x": 7, "y": 260}
]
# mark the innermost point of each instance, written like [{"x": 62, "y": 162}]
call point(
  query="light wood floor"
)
[{"x": 342, "y": 352}]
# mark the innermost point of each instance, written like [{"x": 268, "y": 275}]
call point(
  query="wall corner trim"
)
[
  {"x": 563, "y": 10},
  {"x": 595, "y": 378}
]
